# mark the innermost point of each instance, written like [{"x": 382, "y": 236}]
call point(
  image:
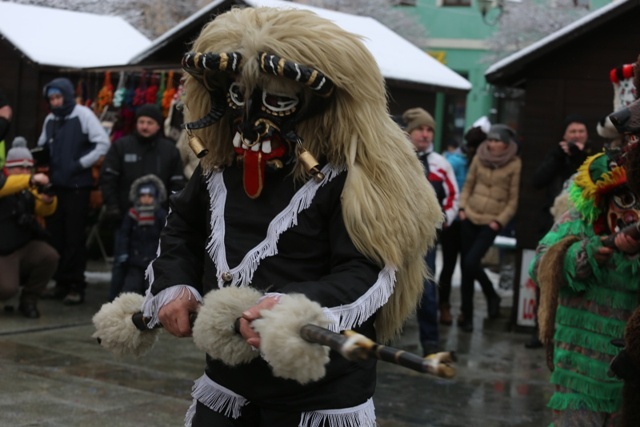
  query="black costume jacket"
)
[{"x": 314, "y": 255}]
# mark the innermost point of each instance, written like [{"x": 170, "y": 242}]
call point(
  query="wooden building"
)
[
  {"x": 38, "y": 44},
  {"x": 566, "y": 72}
]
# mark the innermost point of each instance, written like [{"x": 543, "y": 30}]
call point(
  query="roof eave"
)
[{"x": 507, "y": 74}]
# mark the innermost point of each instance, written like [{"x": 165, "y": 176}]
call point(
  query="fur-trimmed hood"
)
[{"x": 146, "y": 180}]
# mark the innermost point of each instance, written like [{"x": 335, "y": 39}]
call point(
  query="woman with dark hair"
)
[{"x": 488, "y": 202}]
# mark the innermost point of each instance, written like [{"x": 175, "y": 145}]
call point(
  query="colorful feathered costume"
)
[
  {"x": 267, "y": 92},
  {"x": 584, "y": 305}
]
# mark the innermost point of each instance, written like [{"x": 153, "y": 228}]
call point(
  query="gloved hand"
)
[{"x": 121, "y": 259}]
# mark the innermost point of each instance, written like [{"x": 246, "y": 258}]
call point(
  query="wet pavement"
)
[{"x": 53, "y": 374}]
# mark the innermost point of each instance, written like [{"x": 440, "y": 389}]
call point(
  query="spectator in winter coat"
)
[
  {"x": 140, "y": 231},
  {"x": 144, "y": 152},
  {"x": 488, "y": 202},
  {"x": 562, "y": 161},
  {"x": 421, "y": 129},
  {"x": 75, "y": 141},
  {"x": 27, "y": 261}
]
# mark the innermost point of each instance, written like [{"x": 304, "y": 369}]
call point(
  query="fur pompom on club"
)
[
  {"x": 115, "y": 329},
  {"x": 281, "y": 346},
  {"x": 213, "y": 330}
]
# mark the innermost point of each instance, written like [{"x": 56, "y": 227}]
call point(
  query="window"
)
[{"x": 464, "y": 3}]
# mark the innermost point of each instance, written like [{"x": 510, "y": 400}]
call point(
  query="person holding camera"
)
[
  {"x": 560, "y": 163},
  {"x": 26, "y": 259}
]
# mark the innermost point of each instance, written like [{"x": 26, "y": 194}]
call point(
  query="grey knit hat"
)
[
  {"x": 19, "y": 155},
  {"x": 503, "y": 133}
]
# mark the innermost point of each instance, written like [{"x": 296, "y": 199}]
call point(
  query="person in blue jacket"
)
[{"x": 75, "y": 141}]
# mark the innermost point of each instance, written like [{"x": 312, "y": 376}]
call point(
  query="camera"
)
[
  {"x": 573, "y": 148},
  {"x": 46, "y": 189}
]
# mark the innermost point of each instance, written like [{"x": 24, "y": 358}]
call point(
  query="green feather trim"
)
[
  {"x": 585, "y": 365},
  {"x": 591, "y": 322},
  {"x": 564, "y": 401},
  {"x": 586, "y": 207},
  {"x": 617, "y": 299},
  {"x": 582, "y": 338},
  {"x": 587, "y": 387}
]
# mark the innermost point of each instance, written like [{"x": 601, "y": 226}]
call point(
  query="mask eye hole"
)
[
  {"x": 625, "y": 200},
  {"x": 236, "y": 95},
  {"x": 279, "y": 103}
]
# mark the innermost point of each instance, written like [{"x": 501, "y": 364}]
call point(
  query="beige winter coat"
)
[{"x": 491, "y": 194}]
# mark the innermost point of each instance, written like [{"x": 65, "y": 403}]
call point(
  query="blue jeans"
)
[{"x": 428, "y": 309}]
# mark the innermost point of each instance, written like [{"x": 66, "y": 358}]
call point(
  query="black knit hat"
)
[
  {"x": 150, "y": 110},
  {"x": 573, "y": 118}
]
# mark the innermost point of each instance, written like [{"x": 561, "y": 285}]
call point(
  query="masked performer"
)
[
  {"x": 268, "y": 91},
  {"x": 588, "y": 291}
]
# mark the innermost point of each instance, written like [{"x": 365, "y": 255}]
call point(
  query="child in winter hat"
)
[{"x": 19, "y": 155}]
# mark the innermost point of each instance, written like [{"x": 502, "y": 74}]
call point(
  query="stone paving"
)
[{"x": 53, "y": 374}]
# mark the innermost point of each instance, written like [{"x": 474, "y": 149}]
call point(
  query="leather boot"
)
[{"x": 445, "y": 314}]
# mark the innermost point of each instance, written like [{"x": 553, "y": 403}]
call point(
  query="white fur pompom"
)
[
  {"x": 115, "y": 329},
  {"x": 281, "y": 346},
  {"x": 213, "y": 330}
]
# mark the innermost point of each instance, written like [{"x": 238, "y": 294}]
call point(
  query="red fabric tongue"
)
[{"x": 253, "y": 170}]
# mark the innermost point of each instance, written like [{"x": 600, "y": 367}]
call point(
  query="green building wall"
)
[{"x": 456, "y": 37}]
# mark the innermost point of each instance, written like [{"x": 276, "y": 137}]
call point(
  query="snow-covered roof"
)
[
  {"x": 63, "y": 38},
  {"x": 397, "y": 58},
  {"x": 570, "y": 31}
]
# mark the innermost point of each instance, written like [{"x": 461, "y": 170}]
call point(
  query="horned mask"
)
[{"x": 263, "y": 111}]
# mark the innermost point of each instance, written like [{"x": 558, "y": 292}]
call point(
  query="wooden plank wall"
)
[{"x": 574, "y": 78}]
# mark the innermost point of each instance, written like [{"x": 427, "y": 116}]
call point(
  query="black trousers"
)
[
  {"x": 451, "y": 244},
  {"x": 68, "y": 236},
  {"x": 476, "y": 241}
]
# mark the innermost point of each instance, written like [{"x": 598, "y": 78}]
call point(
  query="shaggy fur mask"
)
[{"x": 389, "y": 208}]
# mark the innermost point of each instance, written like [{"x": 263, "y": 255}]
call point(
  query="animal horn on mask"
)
[
  {"x": 195, "y": 63},
  {"x": 311, "y": 77}
]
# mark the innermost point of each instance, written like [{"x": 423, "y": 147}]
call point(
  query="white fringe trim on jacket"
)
[
  {"x": 222, "y": 400},
  {"x": 243, "y": 272},
  {"x": 216, "y": 397}
]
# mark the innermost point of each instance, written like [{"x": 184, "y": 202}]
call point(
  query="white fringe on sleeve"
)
[
  {"x": 355, "y": 314},
  {"x": 153, "y": 303}
]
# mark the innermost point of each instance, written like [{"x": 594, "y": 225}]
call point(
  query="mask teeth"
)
[
  {"x": 266, "y": 146},
  {"x": 237, "y": 140}
]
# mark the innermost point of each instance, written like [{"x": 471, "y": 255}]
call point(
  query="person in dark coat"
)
[
  {"x": 562, "y": 161},
  {"x": 75, "y": 141},
  {"x": 145, "y": 151},
  {"x": 138, "y": 236}
]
